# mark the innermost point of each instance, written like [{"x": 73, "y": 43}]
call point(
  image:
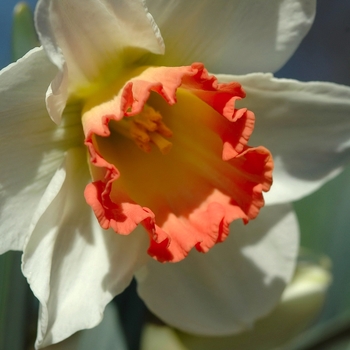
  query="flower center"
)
[{"x": 144, "y": 129}]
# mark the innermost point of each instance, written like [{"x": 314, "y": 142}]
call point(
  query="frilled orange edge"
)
[{"x": 187, "y": 197}]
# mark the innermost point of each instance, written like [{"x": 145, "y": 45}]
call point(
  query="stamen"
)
[
  {"x": 163, "y": 144},
  {"x": 164, "y": 130},
  {"x": 145, "y": 128},
  {"x": 138, "y": 133}
]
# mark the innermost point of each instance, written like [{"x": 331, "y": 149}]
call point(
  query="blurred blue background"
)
[
  {"x": 325, "y": 52},
  {"x": 6, "y": 28}
]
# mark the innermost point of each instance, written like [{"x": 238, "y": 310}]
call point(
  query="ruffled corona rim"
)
[{"x": 168, "y": 149}]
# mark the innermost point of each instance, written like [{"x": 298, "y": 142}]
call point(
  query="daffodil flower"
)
[{"x": 146, "y": 155}]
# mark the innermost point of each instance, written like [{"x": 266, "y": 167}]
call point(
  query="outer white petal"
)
[
  {"x": 301, "y": 302},
  {"x": 88, "y": 38},
  {"x": 236, "y": 36},
  {"x": 108, "y": 335},
  {"x": 224, "y": 291},
  {"x": 306, "y": 126},
  {"x": 74, "y": 267},
  {"x": 32, "y": 146}
]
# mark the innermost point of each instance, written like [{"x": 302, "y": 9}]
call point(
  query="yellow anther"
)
[
  {"x": 145, "y": 128},
  {"x": 145, "y": 123},
  {"x": 138, "y": 132},
  {"x": 164, "y": 130},
  {"x": 163, "y": 144},
  {"x": 151, "y": 114},
  {"x": 144, "y": 146}
]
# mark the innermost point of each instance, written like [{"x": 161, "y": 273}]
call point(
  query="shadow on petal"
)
[{"x": 227, "y": 289}]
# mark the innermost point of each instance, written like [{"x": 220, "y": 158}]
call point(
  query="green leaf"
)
[{"x": 24, "y": 36}]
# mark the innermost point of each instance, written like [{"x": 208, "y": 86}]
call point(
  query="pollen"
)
[{"x": 145, "y": 129}]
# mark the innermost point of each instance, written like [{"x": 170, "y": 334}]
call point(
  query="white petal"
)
[
  {"x": 74, "y": 267},
  {"x": 89, "y": 38},
  {"x": 306, "y": 126},
  {"x": 89, "y": 34},
  {"x": 237, "y": 282},
  {"x": 108, "y": 335},
  {"x": 301, "y": 302},
  {"x": 236, "y": 36},
  {"x": 32, "y": 146}
]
